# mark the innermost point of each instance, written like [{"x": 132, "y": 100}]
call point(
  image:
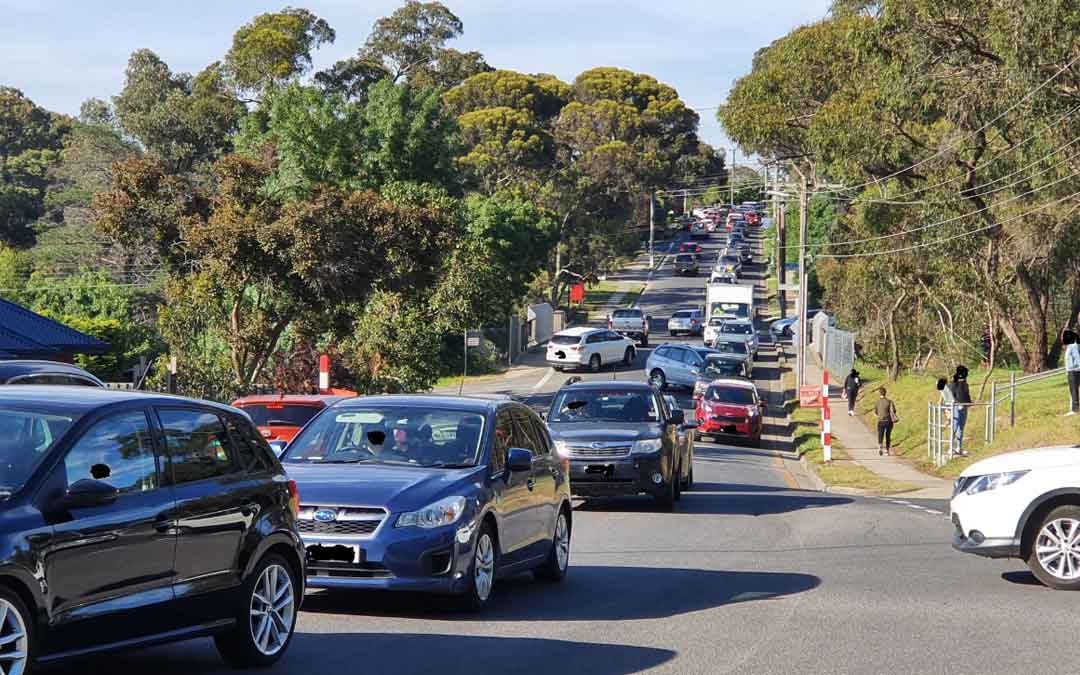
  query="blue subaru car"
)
[{"x": 434, "y": 494}]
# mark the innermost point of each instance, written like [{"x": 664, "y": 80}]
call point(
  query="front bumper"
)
[
  {"x": 1003, "y": 547},
  {"x": 609, "y": 477},
  {"x": 713, "y": 425},
  {"x": 985, "y": 524},
  {"x": 405, "y": 559}
]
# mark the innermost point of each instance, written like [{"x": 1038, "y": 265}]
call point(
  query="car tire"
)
[
  {"x": 241, "y": 647},
  {"x": 558, "y": 560},
  {"x": 485, "y": 559},
  {"x": 628, "y": 357},
  {"x": 658, "y": 379},
  {"x": 1048, "y": 568},
  {"x": 18, "y": 620},
  {"x": 595, "y": 363},
  {"x": 677, "y": 483}
]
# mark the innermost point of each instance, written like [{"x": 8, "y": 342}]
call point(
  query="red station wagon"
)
[{"x": 280, "y": 417}]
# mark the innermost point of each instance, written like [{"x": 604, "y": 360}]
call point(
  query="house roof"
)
[{"x": 25, "y": 333}]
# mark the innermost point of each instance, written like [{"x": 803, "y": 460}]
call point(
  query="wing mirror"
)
[
  {"x": 519, "y": 460},
  {"x": 88, "y": 492}
]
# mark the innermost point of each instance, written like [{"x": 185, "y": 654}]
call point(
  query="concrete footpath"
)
[{"x": 861, "y": 444}]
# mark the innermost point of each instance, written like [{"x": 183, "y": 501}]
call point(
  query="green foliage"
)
[
  {"x": 274, "y": 48},
  {"x": 392, "y": 348}
]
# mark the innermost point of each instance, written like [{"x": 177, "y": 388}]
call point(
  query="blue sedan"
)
[{"x": 435, "y": 494}]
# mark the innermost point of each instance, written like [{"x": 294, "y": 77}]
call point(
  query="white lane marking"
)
[
  {"x": 935, "y": 512},
  {"x": 544, "y": 380}
]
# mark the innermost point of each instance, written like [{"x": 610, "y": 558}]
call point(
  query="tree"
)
[
  {"x": 274, "y": 49},
  {"x": 179, "y": 119},
  {"x": 392, "y": 349}
]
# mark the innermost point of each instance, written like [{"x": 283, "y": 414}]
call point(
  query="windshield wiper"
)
[
  {"x": 448, "y": 465},
  {"x": 353, "y": 460}
]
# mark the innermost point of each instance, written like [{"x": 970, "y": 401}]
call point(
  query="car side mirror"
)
[
  {"x": 88, "y": 492},
  {"x": 278, "y": 447},
  {"x": 677, "y": 417},
  {"x": 518, "y": 460}
]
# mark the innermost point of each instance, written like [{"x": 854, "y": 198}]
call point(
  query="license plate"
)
[
  {"x": 603, "y": 469},
  {"x": 340, "y": 553}
]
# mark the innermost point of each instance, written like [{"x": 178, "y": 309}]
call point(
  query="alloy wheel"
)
[
  {"x": 273, "y": 608},
  {"x": 657, "y": 378},
  {"x": 1058, "y": 548},
  {"x": 14, "y": 640},
  {"x": 484, "y": 572},
  {"x": 562, "y": 542}
]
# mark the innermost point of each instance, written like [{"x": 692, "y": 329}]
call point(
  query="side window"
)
[
  {"x": 527, "y": 436},
  {"x": 198, "y": 444},
  {"x": 594, "y": 338},
  {"x": 663, "y": 352},
  {"x": 546, "y": 444},
  {"x": 612, "y": 336},
  {"x": 117, "y": 450},
  {"x": 252, "y": 451},
  {"x": 504, "y": 434}
]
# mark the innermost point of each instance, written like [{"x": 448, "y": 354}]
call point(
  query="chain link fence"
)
[{"x": 835, "y": 347}]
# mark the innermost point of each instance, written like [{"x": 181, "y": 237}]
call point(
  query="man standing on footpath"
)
[
  {"x": 1072, "y": 369},
  {"x": 962, "y": 397},
  {"x": 885, "y": 410}
]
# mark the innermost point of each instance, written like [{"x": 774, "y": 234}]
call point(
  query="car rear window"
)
[
  {"x": 280, "y": 414},
  {"x": 730, "y": 395},
  {"x": 565, "y": 339},
  {"x": 683, "y": 314},
  {"x": 738, "y": 329},
  {"x": 588, "y": 405},
  {"x": 731, "y": 347},
  {"x": 627, "y": 314}
]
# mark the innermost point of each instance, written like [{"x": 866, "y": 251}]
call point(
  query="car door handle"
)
[{"x": 530, "y": 484}]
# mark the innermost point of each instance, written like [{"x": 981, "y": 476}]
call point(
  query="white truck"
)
[
  {"x": 632, "y": 323},
  {"x": 725, "y": 302}
]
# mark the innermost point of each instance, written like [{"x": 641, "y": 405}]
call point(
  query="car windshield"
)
[
  {"x": 407, "y": 435},
  {"x": 739, "y": 310},
  {"x": 736, "y": 328},
  {"x": 565, "y": 339},
  {"x": 731, "y": 347},
  {"x": 586, "y": 405},
  {"x": 730, "y": 395},
  {"x": 279, "y": 414},
  {"x": 25, "y": 439},
  {"x": 717, "y": 368}
]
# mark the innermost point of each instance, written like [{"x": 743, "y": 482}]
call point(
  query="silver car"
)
[
  {"x": 676, "y": 364},
  {"x": 738, "y": 349},
  {"x": 739, "y": 329},
  {"x": 688, "y": 321}
]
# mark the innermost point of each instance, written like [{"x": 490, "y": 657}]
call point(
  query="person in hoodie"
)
[
  {"x": 1072, "y": 369},
  {"x": 852, "y": 384},
  {"x": 962, "y": 398}
]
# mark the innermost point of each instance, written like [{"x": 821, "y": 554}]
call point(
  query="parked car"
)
[
  {"x": 730, "y": 408},
  {"x": 686, "y": 444},
  {"x": 27, "y": 371},
  {"x": 592, "y": 347},
  {"x": 280, "y": 417},
  {"x": 721, "y": 367},
  {"x": 675, "y": 364},
  {"x": 131, "y": 519},
  {"x": 688, "y": 321},
  {"x": 686, "y": 264},
  {"x": 739, "y": 329},
  {"x": 426, "y": 493},
  {"x": 621, "y": 439},
  {"x": 632, "y": 323},
  {"x": 1024, "y": 505}
]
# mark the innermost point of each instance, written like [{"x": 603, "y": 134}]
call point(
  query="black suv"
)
[
  {"x": 621, "y": 439},
  {"x": 129, "y": 519}
]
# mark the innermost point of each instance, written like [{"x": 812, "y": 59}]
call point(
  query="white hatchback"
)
[
  {"x": 591, "y": 347},
  {"x": 1023, "y": 505}
]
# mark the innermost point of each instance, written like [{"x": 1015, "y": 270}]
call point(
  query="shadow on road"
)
[
  {"x": 589, "y": 593},
  {"x": 1022, "y": 578},
  {"x": 399, "y": 653},
  {"x": 723, "y": 503}
]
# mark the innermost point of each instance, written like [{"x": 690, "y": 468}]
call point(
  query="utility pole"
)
[
  {"x": 731, "y": 180},
  {"x": 652, "y": 227},
  {"x": 800, "y": 310},
  {"x": 779, "y": 208}
]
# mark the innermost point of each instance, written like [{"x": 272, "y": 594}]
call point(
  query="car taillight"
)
[
  {"x": 576, "y": 348},
  {"x": 294, "y": 499}
]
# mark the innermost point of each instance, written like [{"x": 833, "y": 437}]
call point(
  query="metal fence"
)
[
  {"x": 1004, "y": 393},
  {"x": 942, "y": 441},
  {"x": 839, "y": 348}
]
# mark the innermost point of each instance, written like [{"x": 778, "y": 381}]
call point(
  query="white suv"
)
[
  {"x": 1023, "y": 505},
  {"x": 592, "y": 347}
]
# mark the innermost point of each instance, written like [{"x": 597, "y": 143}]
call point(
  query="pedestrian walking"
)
[
  {"x": 1072, "y": 369},
  {"x": 851, "y": 390},
  {"x": 946, "y": 401},
  {"x": 961, "y": 400},
  {"x": 885, "y": 410}
]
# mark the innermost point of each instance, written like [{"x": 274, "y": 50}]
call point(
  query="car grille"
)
[
  {"x": 349, "y": 521},
  {"x": 606, "y": 451},
  {"x": 365, "y": 570}
]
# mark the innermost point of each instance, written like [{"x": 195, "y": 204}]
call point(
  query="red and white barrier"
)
[
  {"x": 826, "y": 417},
  {"x": 324, "y": 374}
]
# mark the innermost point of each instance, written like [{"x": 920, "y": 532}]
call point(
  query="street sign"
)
[
  {"x": 810, "y": 396},
  {"x": 472, "y": 338}
]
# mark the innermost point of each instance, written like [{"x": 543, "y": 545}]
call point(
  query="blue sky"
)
[{"x": 60, "y": 52}]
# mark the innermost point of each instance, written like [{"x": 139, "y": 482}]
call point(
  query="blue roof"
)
[{"x": 26, "y": 333}]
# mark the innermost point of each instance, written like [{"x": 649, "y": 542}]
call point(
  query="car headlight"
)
[
  {"x": 443, "y": 512},
  {"x": 562, "y": 448},
  {"x": 644, "y": 447},
  {"x": 992, "y": 481},
  {"x": 752, "y": 412}
]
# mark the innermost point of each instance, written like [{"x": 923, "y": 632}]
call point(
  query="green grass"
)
[
  {"x": 453, "y": 380},
  {"x": 1039, "y": 421}
]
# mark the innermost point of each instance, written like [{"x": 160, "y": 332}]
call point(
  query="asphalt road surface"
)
[{"x": 748, "y": 575}]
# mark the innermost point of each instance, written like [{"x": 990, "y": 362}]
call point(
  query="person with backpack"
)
[
  {"x": 852, "y": 384},
  {"x": 1072, "y": 369},
  {"x": 885, "y": 410},
  {"x": 962, "y": 398}
]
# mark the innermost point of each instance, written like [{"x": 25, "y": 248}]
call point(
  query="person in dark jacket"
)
[
  {"x": 885, "y": 410},
  {"x": 962, "y": 398},
  {"x": 852, "y": 384}
]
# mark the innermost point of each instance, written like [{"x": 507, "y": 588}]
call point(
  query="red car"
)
[
  {"x": 280, "y": 417},
  {"x": 730, "y": 408},
  {"x": 690, "y": 247},
  {"x": 753, "y": 218}
]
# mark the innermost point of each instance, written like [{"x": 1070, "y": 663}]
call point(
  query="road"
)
[{"x": 748, "y": 575}]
